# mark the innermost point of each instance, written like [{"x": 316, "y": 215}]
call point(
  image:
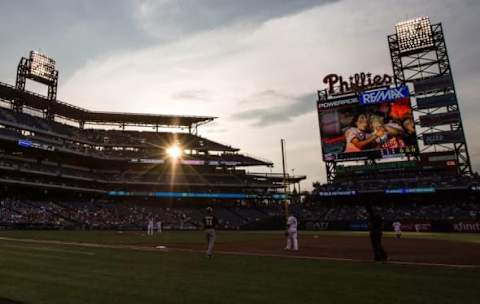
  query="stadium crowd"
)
[
  {"x": 397, "y": 180},
  {"x": 109, "y": 143},
  {"x": 452, "y": 210},
  {"x": 74, "y": 176},
  {"x": 104, "y": 214},
  {"x": 112, "y": 215}
]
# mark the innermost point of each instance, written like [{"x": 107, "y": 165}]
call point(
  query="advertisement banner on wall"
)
[
  {"x": 439, "y": 119},
  {"x": 359, "y": 225},
  {"x": 436, "y": 101},
  {"x": 466, "y": 226},
  {"x": 416, "y": 227},
  {"x": 432, "y": 84},
  {"x": 443, "y": 137}
]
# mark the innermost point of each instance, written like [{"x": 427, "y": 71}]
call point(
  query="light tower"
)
[
  {"x": 40, "y": 68},
  {"x": 419, "y": 58}
]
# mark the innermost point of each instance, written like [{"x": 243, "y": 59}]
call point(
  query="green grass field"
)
[{"x": 54, "y": 273}]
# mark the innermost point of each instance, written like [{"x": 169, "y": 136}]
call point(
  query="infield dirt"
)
[{"x": 410, "y": 250}]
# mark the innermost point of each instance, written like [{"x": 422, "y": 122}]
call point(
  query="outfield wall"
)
[
  {"x": 413, "y": 226},
  {"x": 278, "y": 224}
]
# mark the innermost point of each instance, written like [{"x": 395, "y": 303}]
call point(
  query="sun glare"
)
[{"x": 174, "y": 152}]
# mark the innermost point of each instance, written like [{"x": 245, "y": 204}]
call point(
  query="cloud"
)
[
  {"x": 278, "y": 114},
  {"x": 192, "y": 95},
  {"x": 257, "y": 78},
  {"x": 173, "y": 19},
  {"x": 73, "y": 32}
]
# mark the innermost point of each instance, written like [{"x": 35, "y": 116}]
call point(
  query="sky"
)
[{"x": 256, "y": 65}]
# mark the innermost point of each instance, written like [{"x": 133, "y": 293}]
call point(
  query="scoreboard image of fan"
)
[{"x": 369, "y": 125}]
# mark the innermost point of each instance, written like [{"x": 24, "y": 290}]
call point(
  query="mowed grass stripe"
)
[
  {"x": 48, "y": 249},
  {"x": 128, "y": 276},
  {"x": 51, "y": 275}
]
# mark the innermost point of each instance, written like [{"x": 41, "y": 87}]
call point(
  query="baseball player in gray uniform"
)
[{"x": 209, "y": 223}]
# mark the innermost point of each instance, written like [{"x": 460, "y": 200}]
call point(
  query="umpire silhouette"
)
[{"x": 375, "y": 225}]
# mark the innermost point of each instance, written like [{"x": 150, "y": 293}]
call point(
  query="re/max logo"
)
[{"x": 384, "y": 95}]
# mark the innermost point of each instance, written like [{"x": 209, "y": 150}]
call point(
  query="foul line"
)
[{"x": 324, "y": 258}]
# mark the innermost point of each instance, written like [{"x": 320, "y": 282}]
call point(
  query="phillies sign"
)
[
  {"x": 384, "y": 95},
  {"x": 355, "y": 83}
]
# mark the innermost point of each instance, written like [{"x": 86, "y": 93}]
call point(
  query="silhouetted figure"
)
[
  {"x": 375, "y": 225},
  {"x": 209, "y": 223}
]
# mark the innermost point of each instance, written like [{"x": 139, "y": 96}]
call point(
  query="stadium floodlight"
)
[
  {"x": 174, "y": 152},
  {"x": 42, "y": 66},
  {"x": 414, "y": 34}
]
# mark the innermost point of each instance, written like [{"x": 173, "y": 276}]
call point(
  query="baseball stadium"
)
[{"x": 111, "y": 207}]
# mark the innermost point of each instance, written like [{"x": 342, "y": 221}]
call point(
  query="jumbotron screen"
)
[{"x": 370, "y": 125}]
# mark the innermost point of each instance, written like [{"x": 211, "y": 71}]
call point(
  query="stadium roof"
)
[{"x": 63, "y": 109}]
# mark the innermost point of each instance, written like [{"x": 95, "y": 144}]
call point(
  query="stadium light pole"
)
[
  {"x": 282, "y": 144},
  {"x": 293, "y": 176}
]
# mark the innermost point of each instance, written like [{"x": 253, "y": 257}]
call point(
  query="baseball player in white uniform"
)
[
  {"x": 150, "y": 226},
  {"x": 159, "y": 226},
  {"x": 417, "y": 227},
  {"x": 292, "y": 241},
  {"x": 397, "y": 228}
]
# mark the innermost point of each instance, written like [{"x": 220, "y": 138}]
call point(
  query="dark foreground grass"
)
[{"x": 41, "y": 273}]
